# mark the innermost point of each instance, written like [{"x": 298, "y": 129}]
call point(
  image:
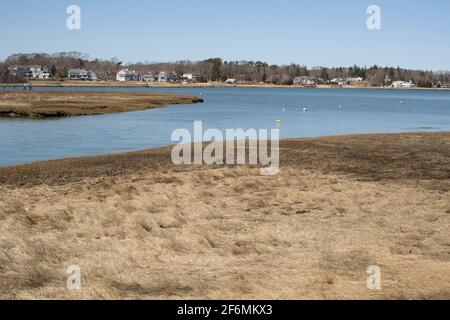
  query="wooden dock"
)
[{"x": 17, "y": 86}]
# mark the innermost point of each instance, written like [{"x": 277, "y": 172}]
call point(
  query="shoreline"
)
[
  {"x": 116, "y": 84},
  {"x": 40, "y": 104},
  {"x": 170, "y": 146},
  {"x": 338, "y": 206},
  {"x": 343, "y": 142}
]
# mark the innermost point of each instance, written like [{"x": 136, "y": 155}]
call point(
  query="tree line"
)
[{"x": 217, "y": 69}]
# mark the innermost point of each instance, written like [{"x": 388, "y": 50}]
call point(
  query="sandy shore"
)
[
  {"x": 45, "y": 104},
  {"x": 140, "y": 227}
]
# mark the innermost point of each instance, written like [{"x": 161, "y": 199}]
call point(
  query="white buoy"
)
[
  {"x": 305, "y": 109},
  {"x": 284, "y": 110}
]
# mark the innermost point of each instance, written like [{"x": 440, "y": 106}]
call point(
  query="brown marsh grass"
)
[{"x": 140, "y": 227}]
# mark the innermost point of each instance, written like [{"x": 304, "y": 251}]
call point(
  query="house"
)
[
  {"x": 403, "y": 84},
  {"x": 231, "y": 82},
  {"x": 31, "y": 72},
  {"x": 20, "y": 71},
  {"x": 305, "y": 81},
  {"x": 127, "y": 75},
  {"x": 81, "y": 74},
  {"x": 189, "y": 77},
  {"x": 149, "y": 77},
  {"x": 356, "y": 79},
  {"x": 441, "y": 84},
  {"x": 162, "y": 76},
  {"x": 39, "y": 72},
  {"x": 172, "y": 77},
  {"x": 339, "y": 81}
]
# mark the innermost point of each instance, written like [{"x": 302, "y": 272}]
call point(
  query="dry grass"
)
[
  {"x": 140, "y": 227},
  {"x": 44, "y": 104}
]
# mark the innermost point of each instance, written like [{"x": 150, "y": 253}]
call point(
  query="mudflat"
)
[
  {"x": 45, "y": 104},
  {"x": 140, "y": 227}
]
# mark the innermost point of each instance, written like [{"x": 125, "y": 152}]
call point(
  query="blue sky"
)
[{"x": 414, "y": 34}]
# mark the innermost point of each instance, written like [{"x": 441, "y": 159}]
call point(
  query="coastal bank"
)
[
  {"x": 53, "y": 103},
  {"x": 338, "y": 206}
]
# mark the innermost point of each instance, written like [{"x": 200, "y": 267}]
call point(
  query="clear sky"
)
[{"x": 414, "y": 34}]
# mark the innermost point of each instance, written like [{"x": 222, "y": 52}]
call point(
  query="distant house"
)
[
  {"x": 403, "y": 84},
  {"x": 189, "y": 77},
  {"x": 149, "y": 77},
  {"x": 339, "y": 81},
  {"x": 81, "y": 74},
  {"x": 126, "y": 75},
  {"x": 162, "y": 77},
  {"x": 172, "y": 77},
  {"x": 346, "y": 81},
  {"x": 20, "y": 71},
  {"x": 39, "y": 72},
  {"x": 305, "y": 81},
  {"x": 231, "y": 82},
  {"x": 31, "y": 72},
  {"x": 441, "y": 84},
  {"x": 356, "y": 79}
]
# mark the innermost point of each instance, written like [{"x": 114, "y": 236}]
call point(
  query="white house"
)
[
  {"x": 81, "y": 74},
  {"x": 189, "y": 77},
  {"x": 149, "y": 77},
  {"x": 355, "y": 79},
  {"x": 38, "y": 72},
  {"x": 339, "y": 81},
  {"x": 403, "y": 84},
  {"x": 231, "y": 82},
  {"x": 126, "y": 75},
  {"x": 305, "y": 81}
]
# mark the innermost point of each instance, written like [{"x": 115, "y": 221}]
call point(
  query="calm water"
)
[{"x": 331, "y": 112}]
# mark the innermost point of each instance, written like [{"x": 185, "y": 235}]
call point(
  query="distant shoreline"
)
[{"x": 133, "y": 84}]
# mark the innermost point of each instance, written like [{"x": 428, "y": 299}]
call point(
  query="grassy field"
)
[
  {"x": 140, "y": 227},
  {"x": 45, "y": 104}
]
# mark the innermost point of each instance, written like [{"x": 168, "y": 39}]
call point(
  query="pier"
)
[{"x": 17, "y": 87}]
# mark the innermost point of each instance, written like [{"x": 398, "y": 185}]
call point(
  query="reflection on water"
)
[{"x": 329, "y": 112}]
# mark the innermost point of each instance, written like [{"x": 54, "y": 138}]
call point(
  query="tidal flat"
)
[{"x": 53, "y": 103}]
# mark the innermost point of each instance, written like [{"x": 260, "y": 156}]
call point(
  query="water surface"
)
[{"x": 330, "y": 112}]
